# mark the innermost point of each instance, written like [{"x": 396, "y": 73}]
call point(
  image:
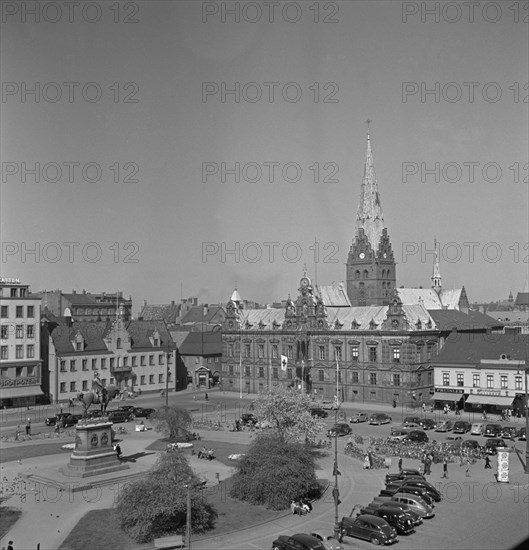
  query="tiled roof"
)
[
  {"x": 163, "y": 312},
  {"x": 483, "y": 346},
  {"x": 264, "y": 316},
  {"x": 522, "y": 299},
  {"x": 202, "y": 343},
  {"x": 204, "y": 314},
  {"x": 450, "y": 297},
  {"x": 512, "y": 316},
  {"x": 448, "y": 319},
  {"x": 333, "y": 295},
  {"x": 447, "y": 298}
]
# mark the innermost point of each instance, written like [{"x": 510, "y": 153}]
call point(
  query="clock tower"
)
[{"x": 371, "y": 269}]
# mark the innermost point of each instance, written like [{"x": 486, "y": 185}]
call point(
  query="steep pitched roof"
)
[
  {"x": 522, "y": 299},
  {"x": 448, "y": 319},
  {"x": 202, "y": 343},
  {"x": 447, "y": 298},
  {"x": 333, "y": 295},
  {"x": 513, "y": 316},
  {"x": 204, "y": 314},
  {"x": 160, "y": 312}
]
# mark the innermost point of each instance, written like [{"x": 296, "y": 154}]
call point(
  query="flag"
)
[{"x": 284, "y": 362}]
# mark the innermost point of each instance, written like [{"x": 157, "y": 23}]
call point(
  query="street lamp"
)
[
  {"x": 526, "y": 371},
  {"x": 188, "y": 516},
  {"x": 167, "y": 378},
  {"x": 336, "y": 473}
]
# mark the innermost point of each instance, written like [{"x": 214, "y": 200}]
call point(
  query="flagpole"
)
[{"x": 240, "y": 371}]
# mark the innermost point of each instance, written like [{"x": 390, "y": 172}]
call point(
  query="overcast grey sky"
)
[{"x": 136, "y": 91}]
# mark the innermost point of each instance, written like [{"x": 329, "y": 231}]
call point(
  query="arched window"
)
[
  {"x": 118, "y": 343},
  {"x": 366, "y": 274},
  {"x": 383, "y": 276},
  {"x": 388, "y": 274},
  {"x": 357, "y": 274}
]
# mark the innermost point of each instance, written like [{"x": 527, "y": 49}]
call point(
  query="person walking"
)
[
  {"x": 467, "y": 471},
  {"x": 10, "y": 545},
  {"x": 28, "y": 427},
  {"x": 118, "y": 450},
  {"x": 487, "y": 463},
  {"x": 445, "y": 468},
  {"x": 400, "y": 464}
]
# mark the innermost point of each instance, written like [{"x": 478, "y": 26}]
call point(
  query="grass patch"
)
[
  {"x": 31, "y": 451},
  {"x": 8, "y": 518}
]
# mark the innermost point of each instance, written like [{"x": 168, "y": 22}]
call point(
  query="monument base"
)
[{"x": 93, "y": 454}]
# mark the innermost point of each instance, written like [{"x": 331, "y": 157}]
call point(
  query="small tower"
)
[{"x": 436, "y": 273}]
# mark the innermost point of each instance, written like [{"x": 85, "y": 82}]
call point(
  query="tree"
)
[
  {"x": 274, "y": 472},
  {"x": 173, "y": 421},
  {"x": 288, "y": 410},
  {"x": 157, "y": 505}
]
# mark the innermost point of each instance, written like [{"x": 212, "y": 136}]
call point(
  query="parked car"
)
[
  {"x": 329, "y": 405},
  {"x": 462, "y": 427},
  {"x": 394, "y": 488},
  {"x": 522, "y": 434},
  {"x": 142, "y": 412},
  {"x": 409, "y": 426},
  {"x": 126, "y": 408},
  {"x": 248, "y": 419},
  {"x": 359, "y": 417},
  {"x": 471, "y": 444},
  {"x": 301, "y": 541},
  {"x": 417, "y": 436},
  {"x": 119, "y": 416},
  {"x": 509, "y": 432},
  {"x": 492, "y": 430},
  {"x": 379, "y": 418},
  {"x": 427, "y": 423},
  {"x": 392, "y": 505},
  {"x": 422, "y": 484},
  {"x": 404, "y": 473},
  {"x": 339, "y": 429},
  {"x": 415, "y": 503},
  {"x": 398, "y": 519},
  {"x": 477, "y": 429},
  {"x": 368, "y": 527},
  {"x": 319, "y": 412},
  {"x": 397, "y": 435},
  {"x": 65, "y": 420},
  {"x": 444, "y": 426},
  {"x": 412, "y": 420},
  {"x": 329, "y": 542},
  {"x": 491, "y": 446}
]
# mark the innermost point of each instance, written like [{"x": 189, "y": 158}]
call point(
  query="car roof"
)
[{"x": 309, "y": 540}]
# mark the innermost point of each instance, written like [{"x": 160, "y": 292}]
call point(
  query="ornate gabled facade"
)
[{"x": 371, "y": 269}]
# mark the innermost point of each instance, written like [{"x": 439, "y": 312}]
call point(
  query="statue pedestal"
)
[{"x": 93, "y": 454}]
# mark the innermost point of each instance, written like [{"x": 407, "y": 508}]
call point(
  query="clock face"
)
[
  {"x": 305, "y": 282},
  {"x": 362, "y": 255},
  {"x": 385, "y": 255}
]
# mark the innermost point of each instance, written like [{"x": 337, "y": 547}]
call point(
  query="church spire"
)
[
  {"x": 369, "y": 216},
  {"x": 436, "y": 273}
]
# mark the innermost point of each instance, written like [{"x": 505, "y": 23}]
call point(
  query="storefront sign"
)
[
  {"x": 13, "y": 383},
  {"x": 448, "y": 390},
  {"x": 8, "y": 281},
  {"x": 489, "y": 392},
  {"x": 503, "y": 465}
]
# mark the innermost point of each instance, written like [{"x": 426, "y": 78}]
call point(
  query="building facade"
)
[{"x": 20, "y": 360}]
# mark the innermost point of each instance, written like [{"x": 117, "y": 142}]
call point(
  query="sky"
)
[{"x": 185, "y": 148}]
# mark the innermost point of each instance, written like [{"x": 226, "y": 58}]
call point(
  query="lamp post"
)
[
  {"x": 167, "y": 378},
  {"x": 526, "y": 372},
  {"x": 188, "y": 516},
  {"x": 336, "y": 473}
]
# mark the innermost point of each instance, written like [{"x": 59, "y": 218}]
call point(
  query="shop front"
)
[
  {"x": 454, "y": 398},
  {"x": 19, "y": 396},
  {"x": 489, "y": 402}
]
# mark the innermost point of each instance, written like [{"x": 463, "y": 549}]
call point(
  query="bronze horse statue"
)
[{"x": 98, "y": 395}]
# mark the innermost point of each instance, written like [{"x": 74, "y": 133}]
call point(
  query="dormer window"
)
[
  {"x": 78, "y": 346},
  {"x": 355, "y": 325},
  {"x": 118, "y": 343},
  {"x": 337, "y": 325},
  {"x": 418, "y": 324},
  {"x": 372, "y": 325}
]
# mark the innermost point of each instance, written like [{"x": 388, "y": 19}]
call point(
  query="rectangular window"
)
[
  {"x": 160, "y": 359},
  {"x": 396, "y": 355},
  {"x": 94, "y": 364},
  {"x": 20, "y": 311},
  {"x": 490, "y": 381},
  {"x": 85, "y": 364},
  {"x": 209, "y": 360},
  {"x": 160, "y": 379},
  {"x": 230, "y": 350},
  {"x": 338, "y": 353},
  {"x": 78, "y": 346},
  {"x": 19, "y": 352},
  {"x": 142, "y": 360},
  {"x": 275, "y": 352},
  {"x": 354, "y": 353},
  {"x": 475, "y": 381},
  {"x": 63, "y": 366},
  {"x": 111, "y": 381},
  {"x": 321, "y": 375},
  {"x": 72, "y": 386},
  {"x": 418, "y": 354},
  {"x": 247, "y": 372},
  {"x": 261, "y": 372},
  {"x": 4, "y": 372},
  {"x": 134, "y": 360},
  {"x": 321, "y": 350},
  {"x": 31, "y": 312},
  {"x": 142, "y": 379},
  {"x": 63, "y": 387},
  {"x": 373, "y": 378},
  {"x": 18, "y": 372},
  {"x": 429, "y": 352},
  {"x": 430, "y": 378},
  {"x": 289, "y": 373},
  {"x": 112, "y": 362},
  {"x": 231, "y": 371},
  {"x": 4, "y": 353},
  {"x": 247, "y": 350},
  {"x": 372, "y": 353},
  {"x": 30, "y": 351},
  {"x": 151, "y": 360},
  {"x": 260, "y": 351},
  {"x": 446, "y": 378},
  {"x": 396, "y": 379},
  {"x": 373, "y": 395},
  {"x": 30, "y": 331},
  {"x": 4, "y": 312},
  {"x": 460, "y": 379},
  {"x": 85, "y": 385},
  {"x": 151, "y": 378},
  {"x": 3, "y": 332},
  {"x": 503, "y": 381},
  {"x": 355, "y": 377},
  {"x": 517, "y": 382},
  {"x": 72, "y": 365},
  {"x": 103, "y": 362},
  {"x": 339, "y": 376},
  {"x": 19, "y": 331},
  {"x": 275, "y": 373},
  {"x": 290, "y": 351},
  {"x": 125, "y": 361}
]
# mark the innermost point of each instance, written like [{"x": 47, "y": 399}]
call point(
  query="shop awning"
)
[
  {"x": 22, "y": 391},
  {"x": 490, "y": 400},
  {"x": 440, "y": 396}
]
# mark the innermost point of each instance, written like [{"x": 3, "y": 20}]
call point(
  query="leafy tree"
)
[
  {"x": 288, "y": 410},
  {"x": 157, "y": 505},
  {"x": 173, "y": 421},
  {"x": 274, "y": 472}
]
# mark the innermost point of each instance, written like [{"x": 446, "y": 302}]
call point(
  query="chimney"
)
[
  {"x": 172, "y": 302},
  {"x": 74, "y": 292},
  {"x": 144, "y": 303},
  {"x": 84, "y": 291}
]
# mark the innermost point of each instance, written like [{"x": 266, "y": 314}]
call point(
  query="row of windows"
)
[
  {"x": 322, "y": 352},
  {"x": 19, "y": 331},
  {"x": 85, "y": 383},
  {"x": 489, "y": 380},
  {"x": 20, "y": 372},
  {"x": 365, "y": 274},
  {"x": 19, "y": 352},
  {"x": 19, "y": 311},
  {"x": 122, "y": 361},
  {"x": 15, "y": 292}
]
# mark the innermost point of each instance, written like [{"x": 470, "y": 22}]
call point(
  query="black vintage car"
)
[
  {"x": 318, "y": 412},
  {"x": 398, "y": 519},
  {"x": 368, "y": 527},
  {"x": 301, "y": 541}
]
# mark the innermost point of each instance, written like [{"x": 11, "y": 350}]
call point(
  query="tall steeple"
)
[
  {"x": 371, "y": 269},
  {"x": 369, "y": 215},
  {"x": 436, "y": 273}
]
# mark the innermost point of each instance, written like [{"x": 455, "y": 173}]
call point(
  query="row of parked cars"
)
[{"x": 125, "y": 413}]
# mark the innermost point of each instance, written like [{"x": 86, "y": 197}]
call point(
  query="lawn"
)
[
  {"x": 8, "y": 517},
  {"x": 100, "y": 528}
]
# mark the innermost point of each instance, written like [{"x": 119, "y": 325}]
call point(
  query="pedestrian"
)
[
  {"x": 366, "y": 462},
  {"x": 28, "y": 427},
  {"x": 57, "y": 429},
  {"x": 424, "y": 407},
  {"x": 400, "y": 464},
  {"x": 17, "y": 433},
  {"x": 118, "y": 450},
  {"x": 487, "y": 463},
  {"x": 467, "y": 471},
  {"x": 427, "y": 466},
  {"x": 370, "y": 456},
  {"x": 445, "y": 467},
  {"x": 10, "y": 545},
  {"x": 206, "y": 396}
]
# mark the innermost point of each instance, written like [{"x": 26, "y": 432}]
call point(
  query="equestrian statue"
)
[{"x": 98, "y": 395}]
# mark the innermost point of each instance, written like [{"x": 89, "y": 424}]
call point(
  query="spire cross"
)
[{"x": 368, "y": 122}]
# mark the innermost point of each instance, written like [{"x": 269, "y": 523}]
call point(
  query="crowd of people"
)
[
  {"x": 208, "y": 454},
  {"x": 301, "y": 507}
]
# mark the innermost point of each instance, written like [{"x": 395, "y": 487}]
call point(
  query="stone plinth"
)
[{"x": 93, "y": 454}]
